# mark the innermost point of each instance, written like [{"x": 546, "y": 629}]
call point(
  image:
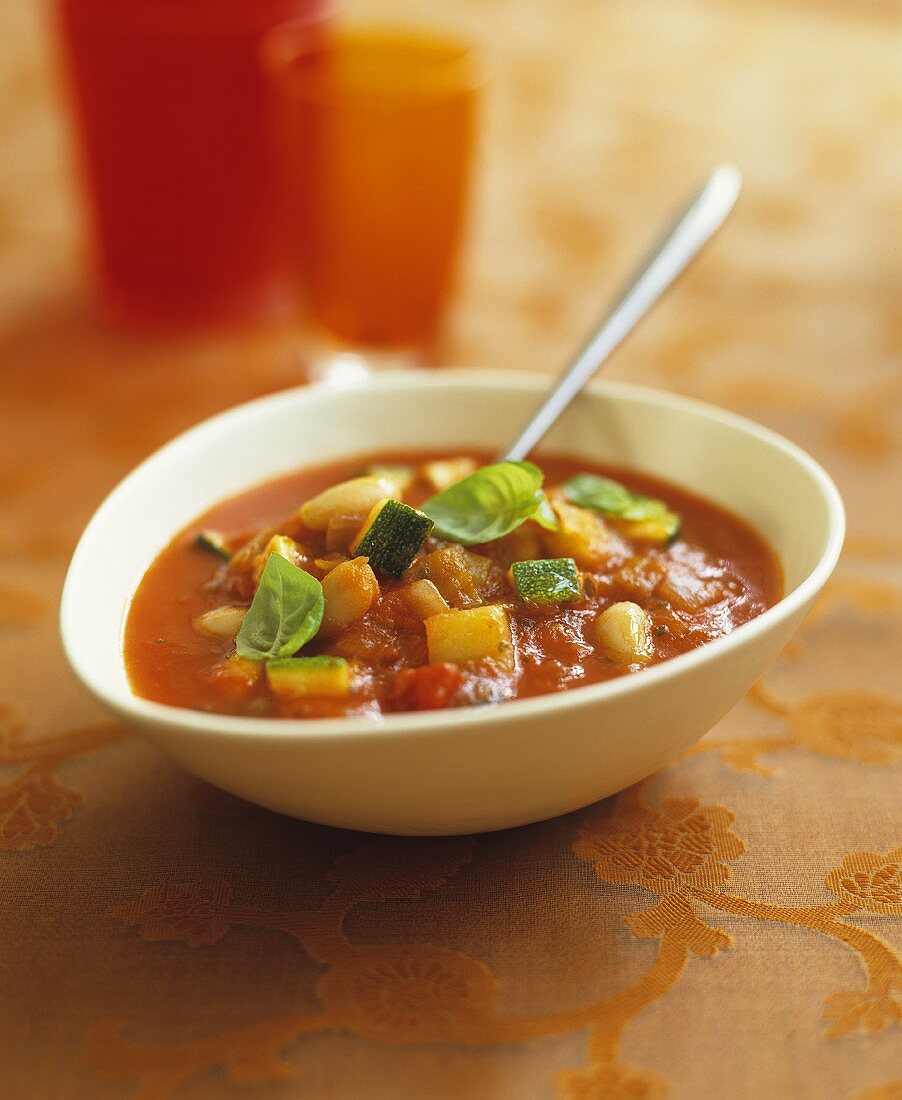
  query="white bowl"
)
[{"x": 469, "y": 769}]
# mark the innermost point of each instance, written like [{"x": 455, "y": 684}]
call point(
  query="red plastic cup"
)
[{"x": 171, "y": 109}]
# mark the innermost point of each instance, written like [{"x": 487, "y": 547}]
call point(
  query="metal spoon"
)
[{"x": 682, "y": 241}]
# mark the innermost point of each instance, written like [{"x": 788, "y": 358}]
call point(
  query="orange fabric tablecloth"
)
[{"x": 728, "y": 928}]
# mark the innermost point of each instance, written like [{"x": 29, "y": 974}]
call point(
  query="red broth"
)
[{"x": 718, "y": 574}]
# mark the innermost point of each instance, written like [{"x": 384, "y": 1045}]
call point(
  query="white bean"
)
[
  {"x": 351, "y": 498},
  {"x": 348, "y": 591},
  {"x": 425, "y": 599},
  {"x": 221, "y": 622},
  {"x": 622, "y": 632}
]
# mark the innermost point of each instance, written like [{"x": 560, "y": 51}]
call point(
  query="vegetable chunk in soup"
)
[{"x": 417, "y": 582}]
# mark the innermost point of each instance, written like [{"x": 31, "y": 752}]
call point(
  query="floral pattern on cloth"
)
[
  {"x": 680, "y": 852},
  {"x": 34, "y": 803},
  {"x": 848, "y": 725},
  {"x": 871, "y": 881}
]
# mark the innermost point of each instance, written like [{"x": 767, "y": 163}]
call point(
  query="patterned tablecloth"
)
[{"x": 728, "y": 928}]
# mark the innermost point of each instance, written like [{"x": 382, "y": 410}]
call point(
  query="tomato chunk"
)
[{"x": 428, "y": 688}]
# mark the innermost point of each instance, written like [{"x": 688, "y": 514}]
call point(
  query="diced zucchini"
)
[
  {"x": 349, "y": 591},
  {"x": 391, "y": 536},
  {"x": 622, "y": 632},
  {"x": 460, "y": 637},
  {"x": 661, "y": 530},
  {"x": 395, "y": 473},
  {"x": 222, "y": 622},
  {"x": 425, "y": 599},
  {"x": 298, "y": 677},
  {"x": 445, "y": 472},
  {"x": 547, "y": 580},
  {"x": 215, "y": 542}
]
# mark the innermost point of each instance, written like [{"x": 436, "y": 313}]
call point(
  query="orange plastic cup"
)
[{"x": 377, "y": 131}]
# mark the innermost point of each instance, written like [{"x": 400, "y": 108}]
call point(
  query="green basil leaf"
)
[
  {"x": 285, "y": 614},
  {"x": 545, "y": 515},
  {"x": 490, "y": 503},
  {"x": 612, "y": 499}
]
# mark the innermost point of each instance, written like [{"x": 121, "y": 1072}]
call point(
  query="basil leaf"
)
[
  {"x": 286, "y": 612},
  {"x": 599, "y": 493},
  {"x": 612, "y": 499},
  {"x": 545, "y": 515},
  {"x": 490, "y": 503}
]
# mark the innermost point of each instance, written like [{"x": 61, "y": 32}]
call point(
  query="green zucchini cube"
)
[
  {"x": 298, "y": 677},
  {"x": 548, "y": 580},
  {"x": 214, "y": 542},
  {"x": 391, "y": 537}
]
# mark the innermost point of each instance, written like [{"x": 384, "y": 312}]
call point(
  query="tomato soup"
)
[{"x": 400, "y": 582}]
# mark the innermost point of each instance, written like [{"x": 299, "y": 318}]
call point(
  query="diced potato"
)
[
  {"x": 582, "y": 535},
  {"x": 348, "y": 498},
  {"x": 222, "y": 623},
  {"x": 349, "y": 591},
  {"x": 452, "y": 573},
  {"x": 460, "y": 637},
  {"x": 285, "y": 547},
  {"x": 425, "y": 599},
  {"x": 622, "y": 632},
  {"x": 445, "y": 472}
]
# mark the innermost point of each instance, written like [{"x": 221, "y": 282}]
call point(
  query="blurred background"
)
[
  {"x": 598, "y": 117},
  {"x": 592, "y": 120}
]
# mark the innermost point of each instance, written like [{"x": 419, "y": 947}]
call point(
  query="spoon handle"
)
[{"x": 681, "y": 242}]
